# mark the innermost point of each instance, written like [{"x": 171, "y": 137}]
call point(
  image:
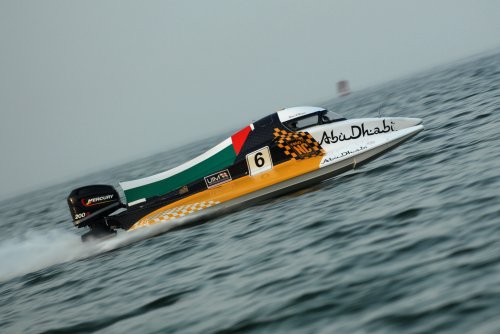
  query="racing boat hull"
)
[
  {"x": 285, "y": 178},
  {"x": 288, "y": 150}
]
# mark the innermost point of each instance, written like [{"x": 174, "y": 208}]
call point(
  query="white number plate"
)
[{"x": 259, "y": 161}]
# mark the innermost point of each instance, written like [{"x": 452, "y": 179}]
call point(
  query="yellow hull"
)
[{"x": 228, "y": 191}]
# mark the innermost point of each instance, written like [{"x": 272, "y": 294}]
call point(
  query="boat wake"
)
[{"x": 35, "y": 250}]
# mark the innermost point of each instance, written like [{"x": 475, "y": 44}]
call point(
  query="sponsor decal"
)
[
  {"x": 356, "y": 132},
  {"x": 298, "y": 145},
  {"x": 218, "y": 178},
  {"x": 296, "y": 115},
  {"x": 328, "y": 160},
  {"x": 97, "y": 200}
]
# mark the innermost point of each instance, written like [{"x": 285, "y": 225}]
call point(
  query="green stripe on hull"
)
[{"x": 218, "y": 161}]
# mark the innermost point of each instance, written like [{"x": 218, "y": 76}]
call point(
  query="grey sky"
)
[{"x": 79, "y": 77}]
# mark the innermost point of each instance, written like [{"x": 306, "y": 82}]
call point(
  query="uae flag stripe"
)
[{"x": 220, "y": 157}]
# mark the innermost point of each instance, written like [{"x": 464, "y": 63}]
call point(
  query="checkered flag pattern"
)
[
  {"x": 298, "y": 145},
  {"x": 174, "y": 213}
]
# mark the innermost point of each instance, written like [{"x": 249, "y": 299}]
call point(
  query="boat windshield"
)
[
  {"x": 328, "y": 116},
  {"x": 321, "y": 117}
]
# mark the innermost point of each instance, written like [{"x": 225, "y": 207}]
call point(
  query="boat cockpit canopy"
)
[{"x": 319, "y": 117}]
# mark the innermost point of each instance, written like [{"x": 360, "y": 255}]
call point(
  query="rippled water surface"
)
[{"x": 407, "y": 243}]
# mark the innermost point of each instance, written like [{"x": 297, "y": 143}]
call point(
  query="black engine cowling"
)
[{"x": 90, "y": 205}]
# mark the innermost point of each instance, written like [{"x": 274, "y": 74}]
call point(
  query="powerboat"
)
[{"x": 290, "y": 149}]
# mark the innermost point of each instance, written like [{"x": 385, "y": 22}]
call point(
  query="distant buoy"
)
[{"x": 343, "y": 88}]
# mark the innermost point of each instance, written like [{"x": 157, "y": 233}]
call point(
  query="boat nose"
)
[
  {"x": 407, "y": 122},
  {"x": 413, "y": 121}
]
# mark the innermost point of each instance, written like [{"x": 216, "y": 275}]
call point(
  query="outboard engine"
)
[{"x": 90, "y": 206}]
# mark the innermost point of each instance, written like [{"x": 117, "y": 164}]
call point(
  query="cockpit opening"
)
[{"x": 314, "y": 119}]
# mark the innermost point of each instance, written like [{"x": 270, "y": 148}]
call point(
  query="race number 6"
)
[{"x": 259, "y": 161}]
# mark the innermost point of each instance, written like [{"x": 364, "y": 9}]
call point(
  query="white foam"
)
[{"x": 36, "y": 250}]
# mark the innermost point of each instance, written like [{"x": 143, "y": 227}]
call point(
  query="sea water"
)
[{"x": 409, "y": 243}]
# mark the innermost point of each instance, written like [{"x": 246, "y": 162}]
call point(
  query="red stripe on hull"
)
[{"x": 239, "y": 138}]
